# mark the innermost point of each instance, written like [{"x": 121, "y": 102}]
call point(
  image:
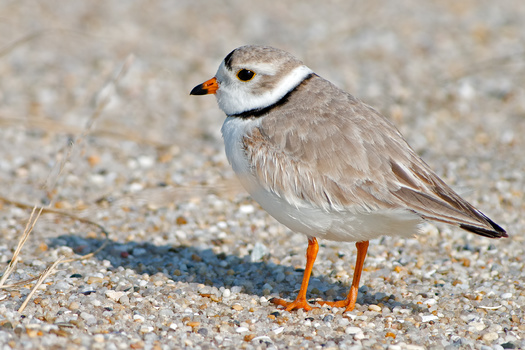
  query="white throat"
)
[{"x": 234, "y": 98}]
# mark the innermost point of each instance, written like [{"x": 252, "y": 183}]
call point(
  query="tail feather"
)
[{"x": 497, "y": 231}]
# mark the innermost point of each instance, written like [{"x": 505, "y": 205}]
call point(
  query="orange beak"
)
[{"x": 208, "y": 87}]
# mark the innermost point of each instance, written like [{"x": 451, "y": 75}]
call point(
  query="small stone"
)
[
  {"x": 241, "y": 329},
  {"x": 59, "y": 332},
  {"x": 278, "y": 330},
  {"x": 249, "y": 337},
  {"x": 98, "y": 338},
  {"x": 428, "y": 318},
  {"x": 375, "y": 308},
  {"x": 146, "y": 161},
  {"x": 6, "y": 324},
  {"x": 506, "y": 295},
  {"x": 258, "y": 252},
  {"x": 146, "y": 329},
  {"x": 476, "y": 326},
  {"x": 181, "y": 220},
  {"x": 137, "y": 345},
  {"x": 490, "y": 336},
  {"x": 139, "y": 251},
  {"x": 267, "y": 289},
  {"x": 138, "y": 318},
  {"x": 203, "y": 332},
  {"x": 93, "y": 160},
  {"x": 353, "y": 330},
  {"x": 196, "y": 258},
  {"x": 73, "y": 306},
  {"x": 32, "y": 333},
  {"x": 430, "y": 302},
  {"x": 328, "y": 318},
  {"x": 508, "y": 345},
  {"x": 114, "y": 295},
  {"x": 237, "y": 307},
  {"x": 247, "y": 209},
  {"x": 359, "y": 336},
  {"x": 88, "y": 318},
  {"x": 124, "y": 300},
  {"x": 93, "y": 279},
  {"x": 166, "y": 312}
]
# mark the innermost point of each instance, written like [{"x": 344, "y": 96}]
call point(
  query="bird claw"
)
[
  {"x": 303, "y": 304},
  {"x": 294, "y": 305},
  {"x": 340, "y": 303}
]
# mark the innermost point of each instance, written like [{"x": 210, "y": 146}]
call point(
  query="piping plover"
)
[{"x": 325, "y": 164}]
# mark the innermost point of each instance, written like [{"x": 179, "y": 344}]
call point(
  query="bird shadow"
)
[{"x": 190, "y": 264}]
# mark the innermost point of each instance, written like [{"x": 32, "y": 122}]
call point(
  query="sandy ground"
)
[{"x": 97, "y": 126}]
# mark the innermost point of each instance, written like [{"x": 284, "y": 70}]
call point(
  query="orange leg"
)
[
  {"x": 300, "y": 302},
  {"x": 349, "y": 302}
]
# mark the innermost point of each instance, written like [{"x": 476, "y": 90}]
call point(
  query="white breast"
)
[{"x": 352, "y": 224}]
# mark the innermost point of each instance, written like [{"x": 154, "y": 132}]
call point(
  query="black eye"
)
[{"x": 245, "y": 75}]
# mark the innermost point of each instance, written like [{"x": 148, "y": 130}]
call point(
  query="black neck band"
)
[{"x": 257, "y": 112}]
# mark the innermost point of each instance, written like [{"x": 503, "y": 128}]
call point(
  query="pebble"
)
[
  {"x": 506, "y": 295},
  {"x": 88, "y": 318},
  {"x": 146, "y": 329},
  {"x": 138, "y": 318},
  {"x": 428, "y": 318},
  {"x": 278, "y": 330},
  {"x": 258, "y": 252},
  {"x": 490, "y": 336},
  {"x": 98, "y": 338},
  {"x": 374, "y": 308},
  {"x": 328, "y": 318},
  {"x": 237, "y": 307},
  {"x": 114, "y": 295},
  {"x": 247, "y": 209},
  {"x": 353, "y": 330},
  {"x": 74, "y": 306}
]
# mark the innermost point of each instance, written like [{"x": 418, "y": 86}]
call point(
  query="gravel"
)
[{"x": 96, "y": 121}]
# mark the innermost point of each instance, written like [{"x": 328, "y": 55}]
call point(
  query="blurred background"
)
[{"x": 450, "y": 75}]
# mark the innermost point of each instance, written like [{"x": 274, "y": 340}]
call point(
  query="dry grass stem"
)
[
  {"x": 41, "y": 278},
  {"x": 29, "y": 227}
]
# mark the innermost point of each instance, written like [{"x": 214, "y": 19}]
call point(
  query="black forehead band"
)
[{"x": 228, "y": 60}]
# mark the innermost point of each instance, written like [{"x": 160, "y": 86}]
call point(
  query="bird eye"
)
[{"x": 245, "y": 75}]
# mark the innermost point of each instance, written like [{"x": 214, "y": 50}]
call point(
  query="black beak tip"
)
[{"x": 199, "y": 90}]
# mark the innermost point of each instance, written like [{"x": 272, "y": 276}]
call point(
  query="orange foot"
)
[
  {"x": 340, "y": 303},
  {"x": 294, "y": 305}
]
